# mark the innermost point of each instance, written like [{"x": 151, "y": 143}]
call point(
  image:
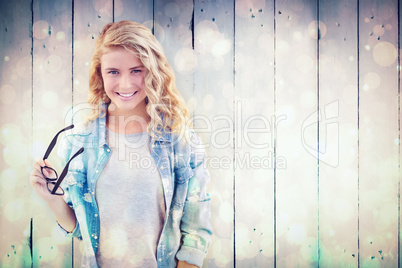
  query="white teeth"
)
[{"x": 126, "y": 95}]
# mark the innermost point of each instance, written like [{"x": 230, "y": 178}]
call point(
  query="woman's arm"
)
[
  {"x": 65, "y": 216},
  {"x": 183, "y": 264},
  {"x": 195, "y": 226}
]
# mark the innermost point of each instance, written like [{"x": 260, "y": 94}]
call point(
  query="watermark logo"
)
[
  {"x": 252, "y": 137},
  {"x": 326, "y": 122}
]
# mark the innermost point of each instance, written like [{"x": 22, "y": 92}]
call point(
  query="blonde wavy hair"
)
[{"x": 165, "y": 106}]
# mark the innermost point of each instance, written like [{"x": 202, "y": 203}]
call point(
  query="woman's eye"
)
[
  {"x": 112, "y": 72},
  {"x": 136, "y": 71}
]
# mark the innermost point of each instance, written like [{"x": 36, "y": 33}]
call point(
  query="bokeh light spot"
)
[
  {"x": 296, "y": 233},
  {"x": 245, "y": 8},
  {"x": 312, "y": 29},
  {"x": 53, "y": 63},
  {"x": 206, "y": 33},
  {"x": 61, "y": 36},
  {"x": 7, "y": 94},
  {"x": 40, "y": 29},
  {"x": 185, "y": 60},
  {"x": 378, "y": 30},
  {"x": 372, "y": 81},
  {"x": 384, "y": 53},
  {"x": 13, "y": 210},
  {"x": 297, "y": 36},
  {"x": 23, "y": 67},
  {"x": 221, "y": 48},
  {"x": 8, "y": 179},
  {"x": 10, "y": 133},
  {"x": 172, "y": 10},
  {"x": 15, "y": 154},
  {"x": 50, "y": 99}
]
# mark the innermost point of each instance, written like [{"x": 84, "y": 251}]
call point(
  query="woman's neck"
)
[{"x": 127, "y": 123}]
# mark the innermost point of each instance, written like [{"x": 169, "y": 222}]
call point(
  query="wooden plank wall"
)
[{"x": 297, "y": 101}]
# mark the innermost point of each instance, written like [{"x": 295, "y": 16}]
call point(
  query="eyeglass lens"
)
[
  {"x": 49, "y": 173},
  {"x": 52, "y": 179},
  {"x": 51, "y": 186}
]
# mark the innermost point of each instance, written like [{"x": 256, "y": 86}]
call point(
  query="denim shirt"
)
[{"x": 186, "y": 232}]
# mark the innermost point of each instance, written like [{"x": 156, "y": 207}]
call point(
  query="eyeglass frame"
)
[{"x": 57, "y": 181}]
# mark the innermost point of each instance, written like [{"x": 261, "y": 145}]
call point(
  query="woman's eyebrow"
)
[
  {"x": 131, "y": 68},
  {"x": 137, "y": 67}
]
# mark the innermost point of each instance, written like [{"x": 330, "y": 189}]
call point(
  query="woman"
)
[{"x": 136, "y": 194}]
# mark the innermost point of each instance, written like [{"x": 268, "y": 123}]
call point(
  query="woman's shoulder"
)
[
  {"x": 84, "y": 124},
  {"x": 86, "y": 134},
  {"x": 83, "y": 128}
]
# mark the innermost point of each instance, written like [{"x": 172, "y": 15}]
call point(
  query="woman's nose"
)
[{"x": 125, "y": 82}]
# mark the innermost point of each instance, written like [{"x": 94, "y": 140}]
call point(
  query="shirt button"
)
[
  {"x": 161, "y": 167},
  {"x": 97, "y": 171},
  {"x": 108, "y": 150},
  {"x": 160, "y": 259}
]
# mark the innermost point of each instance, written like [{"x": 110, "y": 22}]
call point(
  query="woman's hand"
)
[
  {"x": 65, "y": 216},
  {"x": 38, "y": 182},
  {"x": 184, "y": 264}
]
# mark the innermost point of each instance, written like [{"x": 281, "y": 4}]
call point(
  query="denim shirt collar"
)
[{"x": 100, "y": 140}]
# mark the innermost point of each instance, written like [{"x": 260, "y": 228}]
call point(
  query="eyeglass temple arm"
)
[
  {"x": 53, "y": 142},
  {"x": 65, "y": 170}
]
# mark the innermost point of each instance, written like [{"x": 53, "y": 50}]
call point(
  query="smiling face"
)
[{"x": 123, "y": 78}]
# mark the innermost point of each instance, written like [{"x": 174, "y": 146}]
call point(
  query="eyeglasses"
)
[{"x": 52, "y": 179}]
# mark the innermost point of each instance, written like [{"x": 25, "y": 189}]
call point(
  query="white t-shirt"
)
[{"x": 131, "y": 204}]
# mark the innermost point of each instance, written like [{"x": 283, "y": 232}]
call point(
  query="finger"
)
[
  {"x": 39, "y": 163},
  {"x": 48, "y": 163},
  {"x": 37, "y": 172},
  {"x": 39, "y": 180}
]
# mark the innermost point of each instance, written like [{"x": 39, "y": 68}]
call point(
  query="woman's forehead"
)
[{"x": 120, "y": 57}]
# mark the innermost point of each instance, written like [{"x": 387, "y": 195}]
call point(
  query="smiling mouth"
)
[{"x": 126, "y": 95}]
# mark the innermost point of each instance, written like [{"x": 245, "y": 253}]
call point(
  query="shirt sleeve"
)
[
  {"x": 195, "y": 224},
  {"x": 64, "y": 153}
]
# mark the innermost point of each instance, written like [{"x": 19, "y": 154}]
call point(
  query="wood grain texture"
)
[
  {"x": 16, "y": 209},
  {"x": 338, "y": 136},
  {"x": 297, "y": 137},
  {"x": 214, "y": 117},
  {"x": 378, "y": 134},
  {"x": 255, "y": 128},
  {"x": 301, "y": 122},
  {"x": 52, "y": 97}
]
